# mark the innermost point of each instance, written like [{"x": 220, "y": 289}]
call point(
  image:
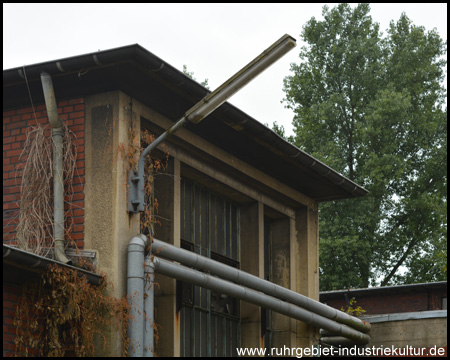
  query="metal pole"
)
[{"x": 195, "y": 277}]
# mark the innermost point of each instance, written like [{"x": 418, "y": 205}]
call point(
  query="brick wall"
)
[
  {"x": 16, "y": 124},
  {"x": 395, "y": 301}
]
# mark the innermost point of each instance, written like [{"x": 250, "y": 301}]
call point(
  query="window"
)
[{"x": 209, "y": 321}]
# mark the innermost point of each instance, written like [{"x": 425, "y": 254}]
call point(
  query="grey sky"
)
[{"x": 213, "y": 40}]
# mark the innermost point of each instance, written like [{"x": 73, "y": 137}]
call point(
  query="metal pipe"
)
[
  {"x": 135, "y": 293},
  {"x": 149, "y": 303},
  {"x": 195, "y": 277},
  {"x": 191, "y": 259},
  {"x": 337, "y": 341},
  {"x": 58, "y": 185}
]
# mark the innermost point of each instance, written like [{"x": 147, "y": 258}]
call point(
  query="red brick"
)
[
  {"x": 78, "y": 189},
  {"x": 77, "y": 128},
  {"x": 76, "y": 101},
  {"x": 78, "y": 196},
  {"x": 8, "y": 139},
  {"x": 9, "y": 113},
  {"x": 78, "y": 212},
  {"x": 78, "y": 114},
  {"x": 78, "y": 228},
  {"x": 25, "y": 110},
  {"x": 12, "y": 153},
  {"x": 67, "y": 109}
]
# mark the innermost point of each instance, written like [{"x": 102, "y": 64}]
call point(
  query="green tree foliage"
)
[
  {"x": 191, "y": 75},
  {"x": 372, "y": 107}
]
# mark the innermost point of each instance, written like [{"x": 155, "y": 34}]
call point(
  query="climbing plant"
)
[
  {"x": 63, "y": 315},
  {"x": 34, "y": 232},
  {"x": 129, "y": 153}
]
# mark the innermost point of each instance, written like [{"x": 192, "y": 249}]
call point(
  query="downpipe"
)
[
  {"x": 140, "y": 296},
  {"x": 149, "y": 304},
  {"x": 58, "y": 185}
]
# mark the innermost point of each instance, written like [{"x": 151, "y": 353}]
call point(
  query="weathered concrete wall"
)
[
  {"x": 416, "y": 333},
  {"x": 108, "y": 227}
]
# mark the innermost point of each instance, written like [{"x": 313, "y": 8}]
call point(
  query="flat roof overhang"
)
[{"x": 150, "y": 80}]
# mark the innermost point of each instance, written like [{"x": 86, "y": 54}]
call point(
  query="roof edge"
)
[
  {"x": 25, "y": 259},
  {"x": 150, "y": 61}
]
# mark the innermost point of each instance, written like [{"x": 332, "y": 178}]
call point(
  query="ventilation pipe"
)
[{"x": 58, "y": 185}]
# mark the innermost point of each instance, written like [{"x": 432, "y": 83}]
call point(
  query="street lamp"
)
[{"x": 203, "y": 108}]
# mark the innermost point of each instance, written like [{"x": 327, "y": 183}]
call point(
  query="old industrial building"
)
[
  {"x": 402, "y": 316},
  {"x": 232, "y": 191}
]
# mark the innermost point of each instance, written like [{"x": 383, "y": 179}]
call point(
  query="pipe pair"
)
[{"x": 306, "y": 309}]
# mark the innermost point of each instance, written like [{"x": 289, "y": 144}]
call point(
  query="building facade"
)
[{"x": 231, "y": 190}]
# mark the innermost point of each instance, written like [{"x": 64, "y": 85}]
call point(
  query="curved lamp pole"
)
[{"x": 202, "y": 109}]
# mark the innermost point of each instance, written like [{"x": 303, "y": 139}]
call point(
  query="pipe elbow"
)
[
  {"x": 137, "y": 242},
  {"x": 60, "y": 255}
]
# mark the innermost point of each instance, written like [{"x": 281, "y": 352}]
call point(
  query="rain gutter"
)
[
  {"x": 150, "y": 62},
  {"x": 30, "y": 262}
]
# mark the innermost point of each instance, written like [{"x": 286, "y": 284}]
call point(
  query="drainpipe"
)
[
  {"x": 149, "y": 303},
  {"x": 135, "y": 294},
  {"x": 58, "y": 186}
]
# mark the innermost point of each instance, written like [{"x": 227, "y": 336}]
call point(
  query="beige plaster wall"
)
[{"x": 108, "y": 226}]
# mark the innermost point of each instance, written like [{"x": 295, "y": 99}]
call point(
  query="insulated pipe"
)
[
  {"x": 58, "y": 186},
  {"x": 195, "y": 277},
  {"x": 337, "y": 341},
  {"x": 135, "y": 293},
  {"x": 149, "y": 303},
  {"x": 191, "y": 259}
]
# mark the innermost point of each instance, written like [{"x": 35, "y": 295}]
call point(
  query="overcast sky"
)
[{"x": 213, "y": 40}]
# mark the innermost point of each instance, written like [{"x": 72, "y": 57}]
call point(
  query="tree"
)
[
  {"x": 372, "y": 107},
  {"x": 191, "y": 75}
]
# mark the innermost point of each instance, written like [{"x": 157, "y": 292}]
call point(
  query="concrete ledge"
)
[{"x": 405, "y": 316}]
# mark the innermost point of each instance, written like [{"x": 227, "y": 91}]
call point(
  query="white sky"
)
[{"x": 213, "y": 40}]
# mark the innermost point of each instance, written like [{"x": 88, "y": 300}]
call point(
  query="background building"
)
[{"x": 401, "y": 316}]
